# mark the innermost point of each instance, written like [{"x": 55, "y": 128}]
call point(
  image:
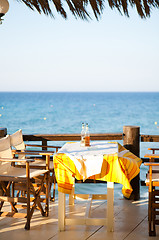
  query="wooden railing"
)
[
  {"x": 94, "y": 136},
  {"x": 72, "y": 137},
  {"x": 45, "y": 138},
  {"x": 149, "y": 138}
]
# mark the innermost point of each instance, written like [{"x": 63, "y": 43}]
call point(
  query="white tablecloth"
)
[{"x": 88, "y": 160}]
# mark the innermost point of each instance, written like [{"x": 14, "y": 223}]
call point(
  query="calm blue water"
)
[{"x": 64, "y": 112}]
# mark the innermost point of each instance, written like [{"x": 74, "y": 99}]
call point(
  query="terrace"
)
[{"x": 130, "y": 216}]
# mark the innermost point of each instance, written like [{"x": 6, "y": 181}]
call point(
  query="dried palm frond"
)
[{"x": 79, "y": 7}]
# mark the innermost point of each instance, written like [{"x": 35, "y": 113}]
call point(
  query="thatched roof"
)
[{"x": 79, "y": 7}]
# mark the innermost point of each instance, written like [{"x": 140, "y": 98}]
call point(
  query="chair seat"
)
[
  {"x": 39, "y": 163},
  {"x": 42, "y": 163},
  {"x": 155, "y": 174},
  {"x": 21, "y": 173},
  {"x": 155, "y": 169},
  {"x": 155, "y": 177}
]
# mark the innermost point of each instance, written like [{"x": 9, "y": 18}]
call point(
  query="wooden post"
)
[
  {"x": 3, "y": 132},
  {"x": 131, "y": 141},
  {"x": 44, "y": 143}
]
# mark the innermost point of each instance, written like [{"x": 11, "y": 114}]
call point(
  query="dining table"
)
[{"x": 102, "y": 160}]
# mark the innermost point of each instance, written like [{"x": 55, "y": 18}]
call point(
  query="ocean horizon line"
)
[{"x": 79, "y": 91}]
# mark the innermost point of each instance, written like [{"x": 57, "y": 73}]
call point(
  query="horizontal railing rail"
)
[
  {"x": 71, "y": 137},
  {"x": 77, "y": 136},
  {"x": 149, "y": 138}
]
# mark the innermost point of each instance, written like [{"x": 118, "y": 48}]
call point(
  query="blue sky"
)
[{"x": 116, "y": 53}]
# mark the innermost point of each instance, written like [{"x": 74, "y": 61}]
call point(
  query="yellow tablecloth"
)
[{"x": 120, "y": 167}]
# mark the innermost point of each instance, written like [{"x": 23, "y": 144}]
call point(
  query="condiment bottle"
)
[
  {"x": 83, "y": 135},
  {"x": 87, "y": 136}
]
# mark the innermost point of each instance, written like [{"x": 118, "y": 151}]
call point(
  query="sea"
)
[{"x": 64, "y": 112}]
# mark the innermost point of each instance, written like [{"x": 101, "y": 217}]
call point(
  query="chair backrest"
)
[
  {"x": 16, "y": 140},
  {"x": 5, "y": 152}
]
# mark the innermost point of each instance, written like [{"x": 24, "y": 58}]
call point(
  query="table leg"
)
[
  {"x": 71, "y": 196},
  {"x": 110, "y": 206},
  {"x": 61, "y": 211}
]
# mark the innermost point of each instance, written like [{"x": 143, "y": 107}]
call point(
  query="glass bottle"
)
[
  {"x": 83, "y": 135},
  {"x": 87, "y": 136}
]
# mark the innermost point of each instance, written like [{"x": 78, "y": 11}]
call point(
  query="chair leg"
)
[
  {"x": 36, "y": 201},
  {"x": 52, "y": 182},
  {"x": 13, "y": 189},
  {"x": 47, "y": 194},
  {"x": 1, "y": 194},
  {"x": 27, "y": 225},
  {"x": 151, "y": 215},
  {"x": 53, "y": 199},
  {"x": 153, "y": 221},
  {"x": 13, "y": 194},
  {"x": 6, "y": 188}
]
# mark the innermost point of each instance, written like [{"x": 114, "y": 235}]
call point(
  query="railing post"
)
[
  {"x": 3, "y": 132},
  {"x": 44, "y": 143},
  {"x": 131, "y": 141}
]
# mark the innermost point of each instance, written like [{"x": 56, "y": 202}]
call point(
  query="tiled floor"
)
[{"x": 130, "y": 219}]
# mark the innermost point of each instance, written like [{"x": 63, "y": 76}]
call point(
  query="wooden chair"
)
[
  {"x": 24, "y": 178},
  {"x": 154, "y": 168},
  {"x": 152, "y": 181},
  {"x": 20, "y": 148}
]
